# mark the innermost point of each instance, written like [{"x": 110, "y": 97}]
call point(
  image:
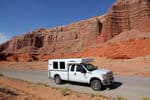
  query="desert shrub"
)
[
  {"x": 1, "y": 75},
  {"x": 7, "y": 91},
  {"x": 65, "y": 91},
  {"x": 44, "y": 84},
  {"x": 92, "y": 94},
  {"x": 121, "y": 98},
  {"x": 145, "y": 98},
  {"x": 97, "y": 96}
]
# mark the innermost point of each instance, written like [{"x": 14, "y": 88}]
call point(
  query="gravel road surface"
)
[{"x": 130, "y": 87}]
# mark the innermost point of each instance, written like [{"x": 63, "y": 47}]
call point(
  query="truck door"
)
[
  {"x": 77, "y": 73},
  {"x": 71, "y": 72}
]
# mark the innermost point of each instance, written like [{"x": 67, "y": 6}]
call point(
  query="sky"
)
[{"x": 20, "y": 16}]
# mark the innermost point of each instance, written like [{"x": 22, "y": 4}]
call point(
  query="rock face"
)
[
  {"x": 124, "y": 15},
  {"x": 71, "y": 38}
]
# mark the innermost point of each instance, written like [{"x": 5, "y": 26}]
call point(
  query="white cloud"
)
[{"x": 3, "y": 37}]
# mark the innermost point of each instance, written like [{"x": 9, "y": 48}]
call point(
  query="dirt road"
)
[{"x": 130, "y": 87}]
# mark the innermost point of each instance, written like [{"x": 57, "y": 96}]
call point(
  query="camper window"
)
[
  {"x": 55, "y": 65},
  {"x": 62, "y": 65}
]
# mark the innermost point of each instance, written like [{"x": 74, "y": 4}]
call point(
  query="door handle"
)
[{"x": 74, "y": 73}]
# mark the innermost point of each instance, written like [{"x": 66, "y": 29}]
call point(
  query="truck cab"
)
[{"x": 79, "y": 70}]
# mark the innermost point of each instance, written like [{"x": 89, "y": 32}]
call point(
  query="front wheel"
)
[
  {"x": 57, "y": 80},
  {"x": 96, "y": 85}
]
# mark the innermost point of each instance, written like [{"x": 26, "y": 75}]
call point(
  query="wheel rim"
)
[
  {"x": 96, "y": 85},
  {"x": 57, "y": 80}
]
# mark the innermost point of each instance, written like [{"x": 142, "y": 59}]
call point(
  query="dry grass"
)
[
  {"x": 7, "y": 91},
  {"x": 121, "y": 98},
  {"x": 65, "y": 91},
  {"x": 145, "y": 98}
]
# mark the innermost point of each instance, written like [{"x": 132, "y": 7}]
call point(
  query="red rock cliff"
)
[
  {"x": 124, "y": 15},
  {"x": 70, "y": 38}
]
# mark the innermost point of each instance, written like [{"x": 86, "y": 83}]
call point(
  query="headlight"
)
[{"x": 104, "y": 76}]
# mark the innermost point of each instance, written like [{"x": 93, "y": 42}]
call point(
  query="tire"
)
[
  {"x": 57, "y": 79},
  {"x": 96, "y": 85}
]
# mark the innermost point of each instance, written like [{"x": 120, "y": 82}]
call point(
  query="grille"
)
[{"x": 109, "y": 75}]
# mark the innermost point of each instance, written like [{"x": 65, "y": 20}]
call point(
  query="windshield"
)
[{"x": 90, "y": 67}]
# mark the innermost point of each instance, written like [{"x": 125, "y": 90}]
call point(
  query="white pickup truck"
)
[{"x": 79, "y": 70}]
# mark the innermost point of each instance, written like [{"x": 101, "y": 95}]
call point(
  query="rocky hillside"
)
[{"x": 125, "y": 16}]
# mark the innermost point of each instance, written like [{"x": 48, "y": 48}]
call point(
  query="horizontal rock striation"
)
[
  {"x": 124, "y": 15},
  {"x": 70, "y": 38}
]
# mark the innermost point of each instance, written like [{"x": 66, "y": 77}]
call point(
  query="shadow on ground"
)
[{"x": 115, "y": 85}]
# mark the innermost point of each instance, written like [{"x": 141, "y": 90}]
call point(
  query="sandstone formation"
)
[
  {"x": 126, "y": 15},
  {"x": 70, "y": 38},
  {"x": 123, "y": 16}
]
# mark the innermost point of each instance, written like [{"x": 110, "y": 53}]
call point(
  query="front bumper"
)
[{"x": 108, "y": 81}]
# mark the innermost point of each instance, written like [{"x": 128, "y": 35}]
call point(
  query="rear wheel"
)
[
  {"x": 57, "y": 79},
  {"x": 96, "y": 85}
]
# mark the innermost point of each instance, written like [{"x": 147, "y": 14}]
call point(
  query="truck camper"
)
[{"x": 79, "y": 70}]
